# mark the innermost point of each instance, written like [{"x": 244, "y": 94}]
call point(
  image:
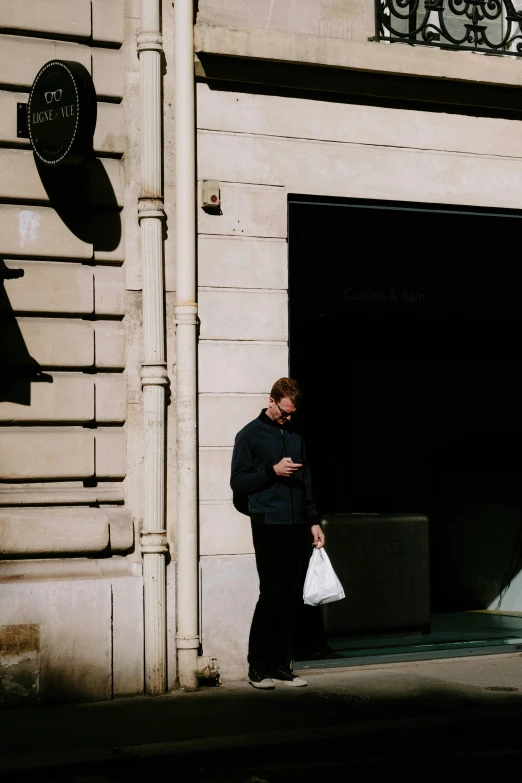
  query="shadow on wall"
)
[
  {"x": 83, "y": 197},
  {"x": 18, "y": 369}
]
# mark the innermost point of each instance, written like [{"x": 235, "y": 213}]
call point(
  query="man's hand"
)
[
  {"x": 318, "y": 536},
  {"x": 286, "y": 467}
]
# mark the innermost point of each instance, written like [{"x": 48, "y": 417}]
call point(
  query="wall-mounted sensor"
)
[{"x": 210, "y": 197}]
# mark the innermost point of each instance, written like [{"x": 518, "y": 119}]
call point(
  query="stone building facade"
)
[
  {"x": 71, "y": 398},
  {"x": 291, "y": 98}
]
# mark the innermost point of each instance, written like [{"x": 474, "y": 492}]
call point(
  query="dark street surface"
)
[{"x": 432, "y": 720}]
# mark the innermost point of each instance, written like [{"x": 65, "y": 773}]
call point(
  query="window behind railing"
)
[{"x": 489, "y": 26}]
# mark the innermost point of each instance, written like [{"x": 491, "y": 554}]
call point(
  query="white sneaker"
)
[
  {"x": 289, "y": 678},
  {"x": 258, "y": 678}
]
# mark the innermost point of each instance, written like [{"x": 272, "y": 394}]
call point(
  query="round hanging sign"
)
[{"x": 62, "y": 113}]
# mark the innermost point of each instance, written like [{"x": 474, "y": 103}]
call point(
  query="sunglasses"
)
[{"x": 284, "y": 414}]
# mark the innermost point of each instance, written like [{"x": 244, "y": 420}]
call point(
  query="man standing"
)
[{"x": 269, "y": 467}]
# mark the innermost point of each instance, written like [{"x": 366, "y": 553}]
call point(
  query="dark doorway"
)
[{"x": 405, "y": 334}]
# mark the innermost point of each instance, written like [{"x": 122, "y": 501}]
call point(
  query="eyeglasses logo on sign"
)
[
  {"x": 62, "y": 113},
  {"x": 56, "y": 95}
]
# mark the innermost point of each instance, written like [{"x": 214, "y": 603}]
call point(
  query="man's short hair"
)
[{"x": 286, "y": 387}]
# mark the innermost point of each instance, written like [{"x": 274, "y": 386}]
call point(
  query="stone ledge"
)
[
  {"x": 308, "y": 63},
  {"x": 60, "y": 493},
  {"x": 40, "y": 531},
  {"x": 408, "y": 60},
  {"x": 67, "y": 569}
]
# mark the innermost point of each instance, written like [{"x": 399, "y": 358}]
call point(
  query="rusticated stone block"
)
[
  {"x": 52, "y": 342},
  {"x": 107, "y": 72},
  {"x": 107, "y": 20},
  {"x": 38, "y": 531},
  {"x": 50, "y": 287},
  {"x": 109, "y": 290},
  {"x": 55, "y": 17},
  {"x": 110, "y": 344},
  {"x": 111, "y": 397},
  {"x": 46, "y": 453},
  {"x": 39, "y": 231},
  {"x": 109, "y": 134},
  {"x": 22, "y": 181},
  {"x": 64, "y": 397},
  {"x": 110, "y": 452},
  {"x": 21, "y": 58}
]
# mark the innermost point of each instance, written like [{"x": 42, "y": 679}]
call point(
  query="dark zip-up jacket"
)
[{"x": 273, "y": 499}]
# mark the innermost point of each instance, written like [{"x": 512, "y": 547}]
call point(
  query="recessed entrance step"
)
[{"x": 452, "y": 635}]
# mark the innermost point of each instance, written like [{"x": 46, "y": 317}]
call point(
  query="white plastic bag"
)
[{"x": 321, "y": 584}]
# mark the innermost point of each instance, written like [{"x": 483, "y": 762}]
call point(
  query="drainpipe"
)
[
  {"x": 153, "y": 369},
  {"x": 186, "y": 322}
]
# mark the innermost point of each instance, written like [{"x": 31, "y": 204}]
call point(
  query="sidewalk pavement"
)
[{"x": 454, "y": 711}]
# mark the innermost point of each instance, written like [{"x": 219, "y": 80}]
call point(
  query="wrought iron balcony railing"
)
[{"x": 489, "y": 26}]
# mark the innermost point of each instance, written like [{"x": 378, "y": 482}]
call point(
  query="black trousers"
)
[{"x": 282, "y": 556}]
